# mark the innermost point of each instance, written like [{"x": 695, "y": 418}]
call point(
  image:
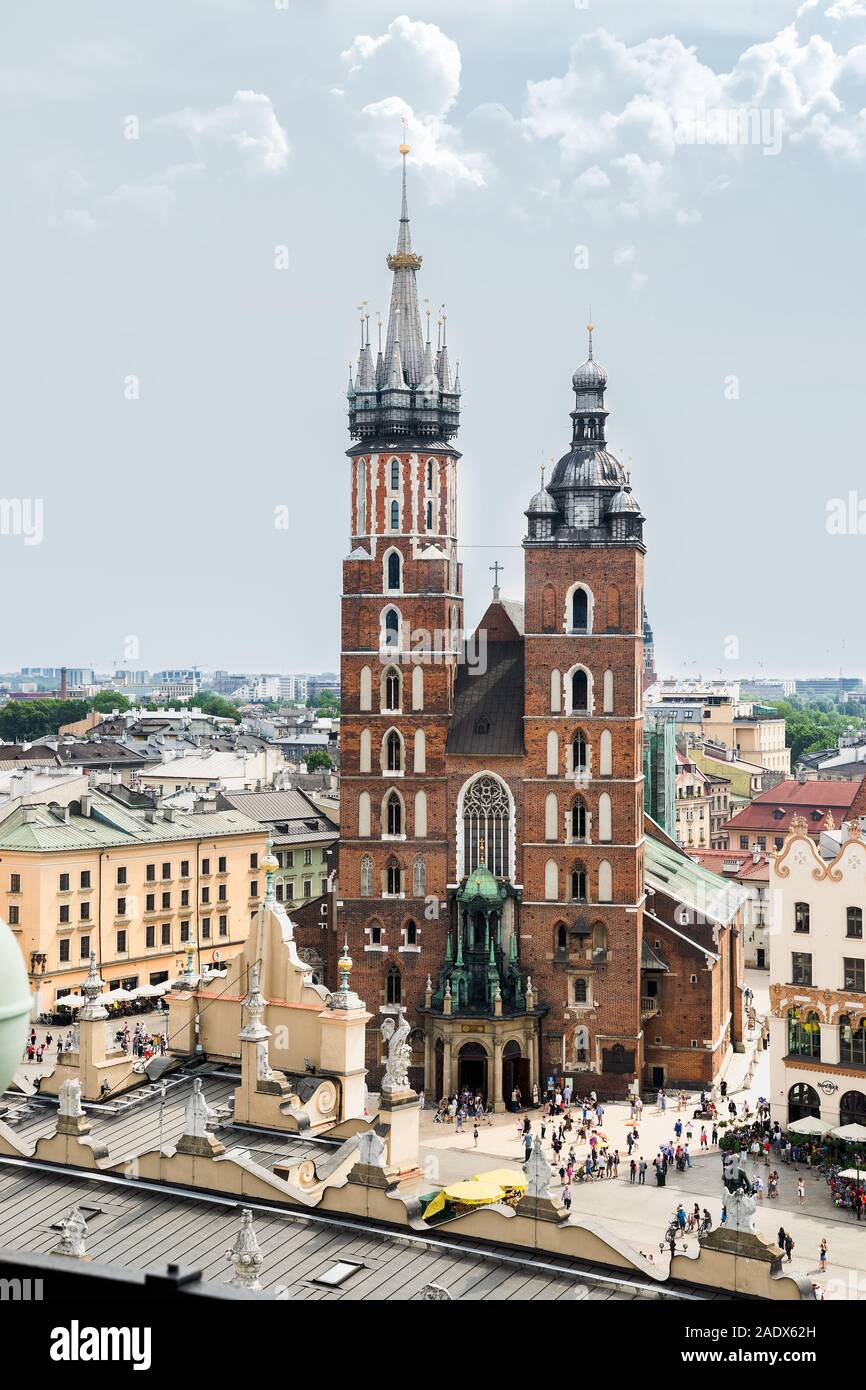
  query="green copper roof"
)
[
  {"x": 111, "y": 825},
  {"x": 670, "y": 871},
  {"x": 481, "y": 883}
]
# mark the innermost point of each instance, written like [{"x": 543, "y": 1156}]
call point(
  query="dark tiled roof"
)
[{"x": 492, "y": 701}]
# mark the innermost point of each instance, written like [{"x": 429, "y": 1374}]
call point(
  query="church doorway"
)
[
  {"x": 472, "y": 1069},
  {"x": 515, "y": 1072}
]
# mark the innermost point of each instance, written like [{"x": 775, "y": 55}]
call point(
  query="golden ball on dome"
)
[
  {"x": 404, "y": 149},
  {"x": 270, "y": 863},
  {"x": 345, "y": 963}
]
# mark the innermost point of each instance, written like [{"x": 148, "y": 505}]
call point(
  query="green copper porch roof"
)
[{"x": 482, "y": 884}]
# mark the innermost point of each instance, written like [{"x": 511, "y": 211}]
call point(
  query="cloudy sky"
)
[{"x": 203, "y": 192}]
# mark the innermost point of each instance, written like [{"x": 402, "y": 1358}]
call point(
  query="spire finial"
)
[
  {"x": 589, "y": 328},
  {"x": 496, "y": 567}
]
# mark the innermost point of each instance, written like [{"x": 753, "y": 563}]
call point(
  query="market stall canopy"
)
[
  {"x": 808, "y": 1125},
  {"x": 474, "y": 1193},
  {"x": 854, "y": 1133},
  {"x": 70, "y": 1001},
  {"x": 147, "y": 991},
  {"x": 507, "y": 1178},
  {"x": 855, "y": 1174}
]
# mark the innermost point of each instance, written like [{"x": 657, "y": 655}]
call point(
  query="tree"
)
[
  {"x": 108, "y": 700},
  {"x": 28, "y": 720},
  {"x": 318, "y": 758}
]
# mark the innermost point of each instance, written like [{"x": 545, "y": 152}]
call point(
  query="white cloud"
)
[
  {"x": 417, "y": 66},
  {"x": 246, "y": 125}
]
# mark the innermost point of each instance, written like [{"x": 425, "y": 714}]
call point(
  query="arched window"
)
[
  {"x": 365, "y": 692},
  {"x": 581, "y": 610},
  {"x": 551, "y": 817},
  {"x": 393, "y": 575},
  {"x": 613, "y": 609},
  {"x": 548, "y": 609},
  {"x": 393, "y": 877},
  {"x": 552, "y": 753},
  {"x": 486, "y": 820},
  {"x": 417, "y": 687},
  {"x": 604, "y": 817},
  {"x": 580, "y": 995},
  {"x": 419, "y": 877},
  {"x": 581, "y": 1034},
  {"x": 394, "y": 986},
  {"x": 393, "y": 751},
  {"x": 555, "y": 691},
  {"x": 803, "y": 1103},
  {"x": 561, "y": 939},
  {"x": 804, "y": 1034},
  {"x": 605, "y": 882},
  {"x": 420, "y": 760},
  {"x": 578, "y": 819},
  {"x": 578, "y": 883},
  {"x": 551, "y": 881},
  {"x": 852, "y": 1108},
  {"x": 366, "y": 876},
  {"x": 607, "y": 692},
  {"x": 392, "y": 630},
  {"x": 421, "y": 815},
  {"x": 395, "y": 474},
  {"x": 579, "y": 753},
  {"x": 429, "y": 516},
  {"x": 429, "y": 475},
  {"x": 361, "y": 496},
  {"x": 411, "y": 931},
  {"x": 364, "y": 813},
  {"x": 852, "y": 1042},
  {"x": 599, "y": 941},
  {"x": 580, "y": 691},
  {"x": 392, "y": 683},
  {"x": 605, "y": 754},
  {"x": 393, "y": 814},
  {"x": 365, "y": 751},
  {"x": 395, "y": 515}
]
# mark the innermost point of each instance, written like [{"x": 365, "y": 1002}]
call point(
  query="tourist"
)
[
  {"x": 642, "y": 1167},
  {"x": 702, "y": 1139},
  {"x": 822, "y": 1256},
  {"x": 801, "y": 1191},
  {"x": 714, "y": 1137},
  {"x": 780, "y": 1238},
  {"x": 632, "y": 1171},
  {"x": 789, "y": 1246},
  {"x": 475, "y": 1134},
  {"x": 566, "y": 1197}
]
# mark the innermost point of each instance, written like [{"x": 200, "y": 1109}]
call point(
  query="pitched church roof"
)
[{"x": 488, "y": 696}]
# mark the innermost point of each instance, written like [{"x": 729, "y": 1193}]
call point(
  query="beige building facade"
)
[{"x": 139, "y": 888}]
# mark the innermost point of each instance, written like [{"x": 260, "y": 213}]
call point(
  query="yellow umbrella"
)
[
  {"x": 507, "y": 1178},
  {"x": 474, "y": 1193}
]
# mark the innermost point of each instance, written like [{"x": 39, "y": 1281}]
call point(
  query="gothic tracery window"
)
[{"x": 486, "y": 824}]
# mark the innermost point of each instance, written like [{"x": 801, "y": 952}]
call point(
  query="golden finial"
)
[{"x": 404, "y": 148}]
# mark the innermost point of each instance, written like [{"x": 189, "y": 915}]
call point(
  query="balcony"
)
[{"x": 649, "y": 1006}]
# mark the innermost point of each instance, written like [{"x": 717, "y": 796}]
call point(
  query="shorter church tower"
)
[{"x": 583, "y": 837}]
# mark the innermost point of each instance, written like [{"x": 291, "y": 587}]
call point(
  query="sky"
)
[{"x": 202, "y": 192}]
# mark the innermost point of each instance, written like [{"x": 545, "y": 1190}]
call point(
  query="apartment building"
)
[{"x": 139, "y": 886}]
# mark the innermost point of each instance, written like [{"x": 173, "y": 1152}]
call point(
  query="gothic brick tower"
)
[
  {"x": 581, "y": 919},
  {"x": 402, "y": 619}
]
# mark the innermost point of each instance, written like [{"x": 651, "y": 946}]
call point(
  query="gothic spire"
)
[{"x": 404, "y": 297}]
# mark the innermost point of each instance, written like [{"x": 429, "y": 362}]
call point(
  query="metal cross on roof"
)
[{"x": 496, "y": 567}]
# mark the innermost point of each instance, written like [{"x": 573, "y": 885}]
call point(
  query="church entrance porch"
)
[
  {"x": 515, "y": 1073},
  {"x": 472, "y": 1069}
]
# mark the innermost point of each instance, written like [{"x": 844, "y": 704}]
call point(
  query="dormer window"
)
[{"x": 482, "y": 725}]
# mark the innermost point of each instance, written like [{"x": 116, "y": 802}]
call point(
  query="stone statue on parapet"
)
[{"x": 396, "y": 1077}]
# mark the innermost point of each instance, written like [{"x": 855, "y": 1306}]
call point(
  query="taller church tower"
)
[
  {"x": 581, "y": 919},
  {"x": 402, "y": 619}
]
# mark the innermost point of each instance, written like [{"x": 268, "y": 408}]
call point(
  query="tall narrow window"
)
[
  {"x": 394, "y": 570},
  {"x": 393, "y": 752},
  {"x": 361, "y": 496},
  {"x": 394, "y": 815},
  {"x": 391, "y": 690},
  {"x": 486, "y": 827},
  {"x": 578, "y": 819},
  {"x": 393, "y": 877},
  {"x": 580, "y": 689},
  {"x": 579, "y": 753},
  {"x": 579, "y": 610},
  {"x": 429, "y": 475},
  {"x": 578, "y": 884},
  {"x": 395, "y": 516},
  {"x": 392, "y": 630},
  {"x": 395, "y": 474},
  {"x": 419, "y": 877},
  {"x": 366, "y": 876},
  {"x": 429, "y": 516},
  {"x": 394, "y": 986}
]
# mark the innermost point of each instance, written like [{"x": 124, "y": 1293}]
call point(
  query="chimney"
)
[
  {"x": 85, "y": 804},
  {"x": 168, "y": 812},
  {"x": 26, "y": 782},
  {"x": 63, "y": 686},
  {"x": 801, "y": 776}
]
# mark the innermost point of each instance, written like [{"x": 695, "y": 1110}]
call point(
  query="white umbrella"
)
[
  {"x": 854, "y": 1132},
  {"x": 147, "y": 991},
  {"x": 808, "y": 1125},
  {"x": 855, "y": 1174},
  {"x": 70, "y": 1001}
]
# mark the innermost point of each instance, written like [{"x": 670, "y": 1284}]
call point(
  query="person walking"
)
[
  {"x": 789, "y": 1246},
  {"x": 641, "y": 1171},
  {"x": 822, "y": 1256},
  {"x": 801, "y": 1191},
  {"x": 566, "y": 1197},
  {"x": 632, "y": 1171},
  {"x": 475, "y": 1134},
  {"x": 702, "y": 1139}
]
